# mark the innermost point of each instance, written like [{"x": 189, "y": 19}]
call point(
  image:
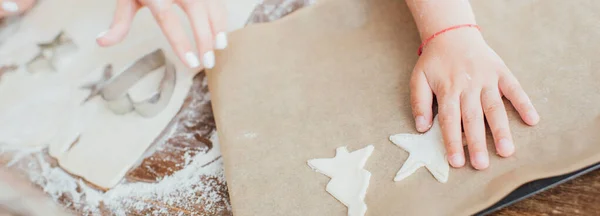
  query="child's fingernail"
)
[
  {"x": 480, "y": 160},
  {"x": 221, "y": 41},
  {"x": 208, "y": 59},
  {"x": 192, "y": 59},
  {"x": 421, "y": 124},
  {"x": 457, "y": 160},
  {"x": 101, "y": 34},
  {"x": 10, "y": 6},
  {"x": 505, "y": 147}
]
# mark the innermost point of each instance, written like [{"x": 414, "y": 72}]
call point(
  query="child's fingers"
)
[
  {"x": 218, "y": 22},
  {"x": 421, "y": 98},
  {"x": 497, "y": 119},
  {"x": 512, "y": 90},
  {"x": 474, "y": 126},
  {"x": 198, "y": 16},
  {"x": 449, "y": 112},
  {"x": 122, "y": 20}
]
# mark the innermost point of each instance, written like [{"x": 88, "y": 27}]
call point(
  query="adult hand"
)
[
  {"x": 207, "y": 17},
  {"x": 14, "y": 7}
]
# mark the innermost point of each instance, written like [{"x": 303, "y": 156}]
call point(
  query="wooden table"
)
[{"x": 580, "y": 196}]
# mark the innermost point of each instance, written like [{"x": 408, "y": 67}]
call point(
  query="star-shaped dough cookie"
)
[
  {"x": 349, "y": 179},
  {"x": 50, "y": 51},
  {"x": 426, "y": 150}
]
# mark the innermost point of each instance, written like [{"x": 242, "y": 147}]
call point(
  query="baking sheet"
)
[
  {"x": 336, "y": 74},
  {"x": 535, "y": 187}
]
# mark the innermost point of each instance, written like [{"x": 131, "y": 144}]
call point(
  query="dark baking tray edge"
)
[{"x": 534, "y": 187}]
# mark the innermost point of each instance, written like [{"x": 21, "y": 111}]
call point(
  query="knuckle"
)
[
  {"x": 417, "y": 105},
  {"x": 513, "y": 88},
  {"x": 476, "y": 141},
  {"x": 470, "y": 117},
  {"x": 489, "y": 95},
  {"x": 493, "y": 107},
  {"x": 447, "y": 119},
  {"x": 189, "y": 3},
  {"x": 524, "y": 105},
  {"x": 161, "y": 14},
  {"x": 500, "y": 131},
  {"x": 454, "y": 146}
]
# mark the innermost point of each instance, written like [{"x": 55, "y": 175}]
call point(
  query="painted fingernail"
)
[
  {"x": 208, "y": 59},
  {"x": 533, "y": 117},
  {"x": 10, "y": 6},
  {"x": 481, "y": 160},
  {"x": 505, "y": 147},
  {"x": 192, "y": 59},
  {"x": 101, "y": 34},
  {"x": 221, "y": 41},
  {"x": 421, "y": 124},
  {"x": 457, "y": 160}
]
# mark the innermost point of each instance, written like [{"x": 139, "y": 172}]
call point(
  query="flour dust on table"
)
[{"x": 349, "y": 180}]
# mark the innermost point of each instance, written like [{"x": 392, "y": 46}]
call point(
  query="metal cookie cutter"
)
[
  {"x": 51, "y": 51},
  {"x": 115, "y": 91}
]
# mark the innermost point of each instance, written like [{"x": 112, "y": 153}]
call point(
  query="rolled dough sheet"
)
[
  {"x": 338, "y": 72},
  {"x": 106, "y": 145}
]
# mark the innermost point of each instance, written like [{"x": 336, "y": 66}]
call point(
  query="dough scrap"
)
[
  {"x": 426, "y": 150},
  {"x": 349, "y": 180}
]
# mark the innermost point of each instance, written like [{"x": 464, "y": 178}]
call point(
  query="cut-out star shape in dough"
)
[
  {"x": 426, "y": 150},
  {"x": 349, "y": 180},
  {"x": 96, "y": 87},
  {"x": 61, "y": 44}
]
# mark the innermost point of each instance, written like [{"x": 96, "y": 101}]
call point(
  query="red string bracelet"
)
[{"x": 420, "y": 51}]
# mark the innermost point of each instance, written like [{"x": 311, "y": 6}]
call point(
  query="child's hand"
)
[
  {"x": 468, "y": 79},
  {"x": 207, "y": 17}
]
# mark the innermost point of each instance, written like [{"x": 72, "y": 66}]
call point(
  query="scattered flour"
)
[{"x": 198, "y": 185}]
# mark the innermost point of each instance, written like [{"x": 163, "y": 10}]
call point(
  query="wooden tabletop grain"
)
[{"x": 580, "y": 196}]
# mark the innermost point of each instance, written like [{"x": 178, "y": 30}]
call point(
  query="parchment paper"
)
[{"x": 336, "y": 74}]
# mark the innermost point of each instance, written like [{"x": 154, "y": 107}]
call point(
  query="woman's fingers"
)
[
  {"x": 218, "y": 22},
  {"x": 124, "y": 14},
  {"x": 197, "y": 13},
  {"x": 171, "y": 26},
  {"x": 13, "y": 7},
  {"x": 449, "y": 111},
  {"x": 497, "y": 119},
  {"x": 421, "y": 98},
  {"x": 512, "y": 90},
  {"x": 474, "y": 127}
]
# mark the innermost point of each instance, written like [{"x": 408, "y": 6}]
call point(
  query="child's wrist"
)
[{"x": 452, "y": 35}]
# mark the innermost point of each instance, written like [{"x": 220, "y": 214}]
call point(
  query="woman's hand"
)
[
  {"x": 14, "y": 7},
  {"x": 469, "y": 80},
  {"x": 207, "y": 17}
]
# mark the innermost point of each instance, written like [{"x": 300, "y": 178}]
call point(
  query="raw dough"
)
[
  {"x": 87, "y": 139},
  {"x": 426, "y": 150},
  {"x": 349, "y": 180}
]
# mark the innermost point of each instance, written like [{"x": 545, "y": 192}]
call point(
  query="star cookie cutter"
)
[
  {"x": 50, "y": 52},
  {"x": 114, "y": 90}
]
